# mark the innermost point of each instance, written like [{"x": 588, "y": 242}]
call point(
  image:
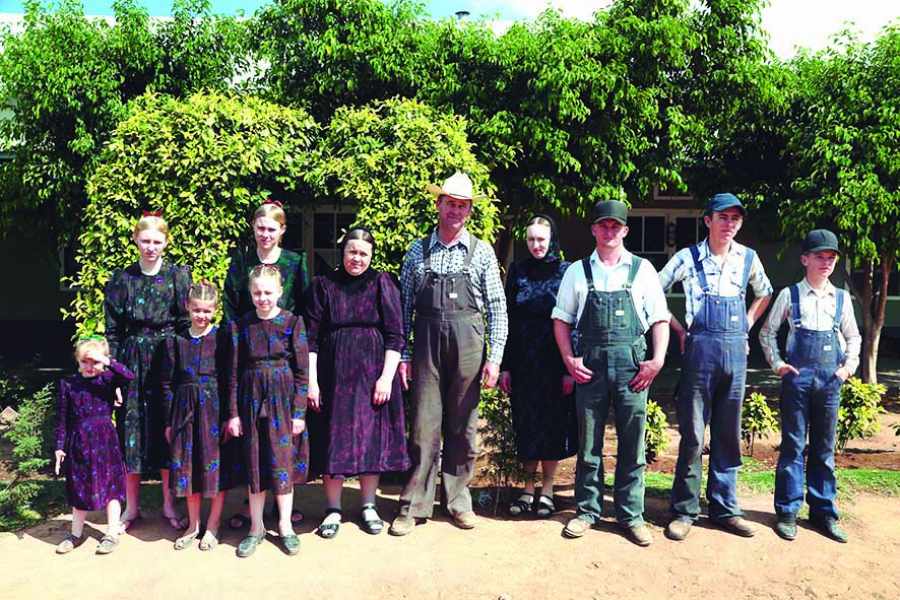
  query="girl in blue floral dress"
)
[
  {"x": 267, "y": 404},
  {"x": 194, "y": 383}
]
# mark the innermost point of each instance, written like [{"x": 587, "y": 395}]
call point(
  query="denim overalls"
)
[
  {"x": 711, "y": 390},
  {"x": 809, "y": 400},
  {"x": 612, "y": 345}
]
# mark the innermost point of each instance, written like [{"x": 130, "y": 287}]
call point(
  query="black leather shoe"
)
[
  {"x": 786, "y": 527},
  {"x": 829, "y": 528}
]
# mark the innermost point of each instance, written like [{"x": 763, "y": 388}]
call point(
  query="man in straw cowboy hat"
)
[{"x": 450, "y": 280}]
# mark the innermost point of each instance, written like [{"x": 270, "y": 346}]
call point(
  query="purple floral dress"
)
[
  {"x": 193, "y": 391},
  {"x": 267, "y": 389},
  {"x": 95, "y": 473},
  {"x": 352, "y": 321},
  {"x": 142, "y": 312}
]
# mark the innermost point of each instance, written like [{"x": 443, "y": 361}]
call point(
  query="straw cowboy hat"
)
[{"x": 457, "y": 186}]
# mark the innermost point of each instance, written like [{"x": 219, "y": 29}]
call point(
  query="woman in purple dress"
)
[
  {"x": 145, "y": 305},
  {"x": 355, "y": 326},
  {"x": 87, "y": 447}
]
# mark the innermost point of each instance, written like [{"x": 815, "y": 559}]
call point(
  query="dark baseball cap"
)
[
  {"x": 610, "y": 209},
  {"x": 818, "y": 240},
  {"x": 721, "y": 202}
]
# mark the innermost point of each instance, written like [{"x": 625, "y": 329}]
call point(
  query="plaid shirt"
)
[
  {"x": 724, "y": 279},
  {"x": 484, "y": 273}
]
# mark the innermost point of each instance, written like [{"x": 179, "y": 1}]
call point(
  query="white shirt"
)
[
  {"x": 646, "y": 292},
  {"x": 816, "y": 314}
]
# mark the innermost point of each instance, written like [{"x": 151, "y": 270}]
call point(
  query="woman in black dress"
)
[{"x": 532, "y": 372}]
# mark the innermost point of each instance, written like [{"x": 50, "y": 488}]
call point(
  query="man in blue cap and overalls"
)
[
  {"x": 822, "y": 352},
  {"x": 715, "y": 274}
]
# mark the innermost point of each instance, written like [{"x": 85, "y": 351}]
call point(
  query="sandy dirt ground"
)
[{"x": 501, "y": 559}]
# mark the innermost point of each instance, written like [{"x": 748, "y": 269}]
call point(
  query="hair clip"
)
[
  {"x": 151, "y": 213},
  {"x": 275, "y": 202}
]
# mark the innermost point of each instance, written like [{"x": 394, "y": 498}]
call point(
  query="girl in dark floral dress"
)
[
  {"x": 267, "y": 405},
  {"x": 543, "y": 406},
  {"x": 87, "y": 447},
  {"x": 145, "y": 305},
  {"x": 194, "y": 383},
  {"x": 269, "y": 225},
  {"x": 355, "y": 338}
]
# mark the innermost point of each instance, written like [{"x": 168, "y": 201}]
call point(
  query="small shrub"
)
[
  {"x": 757, "y": 419},
  {"x": 30, "y": 438},
  {"x": 656, "y": 438},
  {"x": 498, "y": 438},
  {"x": 859, "y": 410}
]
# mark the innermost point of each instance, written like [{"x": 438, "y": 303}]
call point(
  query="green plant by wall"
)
[
  {"x": 859, "y": 410},
  {"x": 206, "y": 161},
  {"x": 29, "y": 436},
  {"x": 498, "y": 442},
  {"x": 757, "y": 419},
  {"x": 656, "y": 438},
  {"x": 382, "y": 156}
]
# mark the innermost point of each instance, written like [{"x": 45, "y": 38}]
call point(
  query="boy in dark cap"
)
[
  {"x": 715, "y": 274},
  {"x": 822, "y": 352}
]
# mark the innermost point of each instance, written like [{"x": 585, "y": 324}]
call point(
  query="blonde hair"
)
[
  {"x": 539, "y": 221},
  {"x": 265, "y": 272},
  {"x": 93, "y": 342},
  {"x": 151, "y": 222},
  {"x": 272, "y": 210},
  {"x": 203, "y": 291}
]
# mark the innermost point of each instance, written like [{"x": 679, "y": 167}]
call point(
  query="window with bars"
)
[{"x": 647, "y": 238}]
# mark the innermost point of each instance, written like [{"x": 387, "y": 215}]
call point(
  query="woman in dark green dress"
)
[{"x": 269, "y": 225}]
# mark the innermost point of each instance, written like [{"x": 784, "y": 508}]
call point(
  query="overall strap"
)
[
  {"x": 748, "y": 266},
  {"x": 698, "y": 268},
  {"x": 838, "y": 309},
  {"x": 426, "y": 253},
  {"x": 586, "y": 265},
  {"x": 632, "y": 273},
  {"x": 470, "y": 252},
  {"x": 795, "y": 305}
]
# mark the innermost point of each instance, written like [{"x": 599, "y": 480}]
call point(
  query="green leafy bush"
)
[
  {"x": 206, "y": 161},
  {"x": 30, "y": 436},
  {"x": 498, "y": 442},
  {"x": 656, "y": 438},
  {"x": 381, "y": 158},
  {"x": 757, "y": 419},
  {"x": 859, "y": 410}
]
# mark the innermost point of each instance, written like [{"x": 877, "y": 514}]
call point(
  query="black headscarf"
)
[
  {"x": 548, "y": 266},
  {"x": 347, "y": 282}
]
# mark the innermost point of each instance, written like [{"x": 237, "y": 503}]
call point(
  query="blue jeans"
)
[{"x": 810, "y": 401}]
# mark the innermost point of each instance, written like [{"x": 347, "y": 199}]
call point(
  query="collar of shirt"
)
[
  {"x": 624, "y": 261},
  {"x": 463, "y": 239},
  {"x": 734, "y": 251},
  {"x": 805, "y": 289}
]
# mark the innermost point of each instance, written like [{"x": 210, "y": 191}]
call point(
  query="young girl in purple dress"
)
[
  {"x": 87, "y": 446},
  {"x": 193, "y": 380},
  {"x": 267, "y": 391}
]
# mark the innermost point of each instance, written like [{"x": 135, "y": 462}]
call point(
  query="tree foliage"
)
[
  {"x": 206, "y": 162},
  {"x": 67, "y": 80}
]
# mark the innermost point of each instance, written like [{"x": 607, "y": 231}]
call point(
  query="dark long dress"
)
[
  {"x": 267, "y": 389},
  {"x": 95, "y": 473},
  {"x": 142, "y": 312},
  {"x": 294, "y": 281},
  {"x": 544, "y": 419},
  {"x": 352, "y": 322},
  {"x": 194, "y": 385}
]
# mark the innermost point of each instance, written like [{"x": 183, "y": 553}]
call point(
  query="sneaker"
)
[
  {"x": 639, "y": 534},
  {"x": 465, "y": 520},
  {"x": 786, "y": 527},
  {"x": 69, "y": 543},
  {"x": 402, "y": 525},
  {"x": 576, "y": 527},
  {"x": 736, "y": 525},
  {"x": 829, "y": 527},
  {"x": 679, "y": 528},
  {"x": 107, "y": 544}
]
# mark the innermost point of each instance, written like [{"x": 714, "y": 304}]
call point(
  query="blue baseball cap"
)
[{"x": 721, "y": 202}]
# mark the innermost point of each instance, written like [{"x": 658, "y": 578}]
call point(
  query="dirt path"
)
[{"x": 500, "y": 559}]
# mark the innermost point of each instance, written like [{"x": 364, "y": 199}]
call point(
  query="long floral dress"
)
[
  {"x": 195, "y": 384},
  {"x": 267, "y": 388},
  {"x": 142, "y": 312},
  {"x": 352, "y": 321},
  {"x": 294, "y": 281},
  {"x": 95, "y": 473}
]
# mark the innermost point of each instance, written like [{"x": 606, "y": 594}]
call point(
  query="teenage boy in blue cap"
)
[
  {"x": 822, "y": 352},
  {"x": 612, "y": 298},
  {"x": 715, "y": 274}
]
